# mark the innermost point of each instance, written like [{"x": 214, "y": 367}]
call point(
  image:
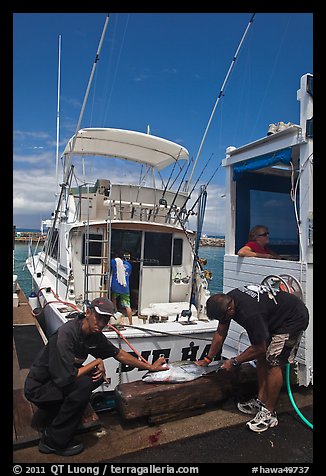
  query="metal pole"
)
[
  {"x": 220, "y": 95},
  {"x": 87, "y": 92}
]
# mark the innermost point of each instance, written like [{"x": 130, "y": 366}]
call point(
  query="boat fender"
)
[{"x": 33, "y": 300}]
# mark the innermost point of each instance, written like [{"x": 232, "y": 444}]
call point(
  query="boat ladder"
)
[{"x": 101, "y": 288}]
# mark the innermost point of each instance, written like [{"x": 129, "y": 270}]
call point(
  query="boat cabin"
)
[{"x": 270, "y": 182}]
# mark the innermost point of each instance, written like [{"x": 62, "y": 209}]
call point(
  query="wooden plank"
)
[
  {"x": 24, "y": 433},
  {"x": 139, "y": 399},
  {"x": 17, "y": 382},
  {"x": 89, "y": 420}
]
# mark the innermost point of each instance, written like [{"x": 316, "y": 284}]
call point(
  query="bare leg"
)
[
  {"x": 274, "y": 382},
  {"x": 129, "y": 314},
  {"x": 114, "y": 302},
  {"x": 262, "y": 377}
]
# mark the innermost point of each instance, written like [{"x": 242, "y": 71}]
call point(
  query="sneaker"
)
[
  {"x": 46, "y": 446},
  {"x": 262, "y": 421},
  {"x": 252, "y": 406}
]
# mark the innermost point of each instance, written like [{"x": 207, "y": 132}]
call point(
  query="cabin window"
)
[
  {"x": 94, "y": 250},
  {"x": 265, "y": 200},
  {"x": 177, "y": 251},
  {"x": 53, "y": 249},
  {"x": 126, "y": 241},
  {"x": 158, "y": 248}
]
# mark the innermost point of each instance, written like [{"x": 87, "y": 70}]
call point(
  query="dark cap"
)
[{"x": 103, "y": 305}]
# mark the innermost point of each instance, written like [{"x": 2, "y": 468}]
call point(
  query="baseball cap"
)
[{"x": 102, "y": 306}]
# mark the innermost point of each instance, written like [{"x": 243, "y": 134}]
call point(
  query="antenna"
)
[{"x": 58, "y": 114}]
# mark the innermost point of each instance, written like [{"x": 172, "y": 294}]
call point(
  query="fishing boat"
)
[
  {"x": 270, "y": 182},
  {"x": 95, "y": 219}
]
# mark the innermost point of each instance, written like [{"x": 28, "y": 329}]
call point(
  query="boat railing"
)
[{"x": 121, "y": 202}]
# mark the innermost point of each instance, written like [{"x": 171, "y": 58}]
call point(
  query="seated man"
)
[{"x": 257, "y": 245}]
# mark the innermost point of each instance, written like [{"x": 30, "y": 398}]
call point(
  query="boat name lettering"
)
[{"x": 187, "y": 353}]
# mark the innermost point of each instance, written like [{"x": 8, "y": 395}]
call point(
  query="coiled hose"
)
[{"x": 303, "y": 418}]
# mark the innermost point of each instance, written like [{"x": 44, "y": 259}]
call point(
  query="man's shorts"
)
[
  {"x": 283, "y": 348},
  {"x": 124, "y": 299}
]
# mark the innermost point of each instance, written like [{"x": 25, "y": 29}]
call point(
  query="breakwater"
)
[
  {"x": 219, "y": 242},
  {"x": 27, "y": 236}
]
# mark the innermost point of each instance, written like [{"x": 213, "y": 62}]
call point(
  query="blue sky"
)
[{"x": 164, "y": 70}]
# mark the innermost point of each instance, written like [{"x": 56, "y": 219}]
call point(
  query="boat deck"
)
[{"x": 28, "y": 340}]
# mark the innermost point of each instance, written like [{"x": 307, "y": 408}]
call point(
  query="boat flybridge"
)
[
  {"x": 93, "y": 220},
  {"x": 269, "y": 182}
]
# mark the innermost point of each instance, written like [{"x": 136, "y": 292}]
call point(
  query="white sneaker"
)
[
  {"x": 252, "y": 406},
  {"x": 262, "y": 421}
]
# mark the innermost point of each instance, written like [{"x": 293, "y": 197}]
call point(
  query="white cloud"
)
[
  {"x": 42, "y": 159},
  {"x": 33, "y": 192}
]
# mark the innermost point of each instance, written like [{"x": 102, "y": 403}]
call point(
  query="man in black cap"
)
[
  {"x": 274, "y": 321},
  {"x": 60, "y": 384}
]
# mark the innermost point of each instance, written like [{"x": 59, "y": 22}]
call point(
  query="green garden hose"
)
[{"x": 292, "y": 399}]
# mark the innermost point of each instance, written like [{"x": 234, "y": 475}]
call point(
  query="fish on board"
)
[{"x": 180, "y": 372}]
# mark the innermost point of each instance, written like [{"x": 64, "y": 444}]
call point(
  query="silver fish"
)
[{"x": 179, "y": 372}]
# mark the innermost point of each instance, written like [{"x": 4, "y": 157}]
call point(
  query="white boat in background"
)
[
  {"x": 270, "y": 182},
  {"x": 168, "y": 287}
]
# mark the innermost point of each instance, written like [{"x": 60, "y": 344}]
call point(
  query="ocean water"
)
[{"x": 214, "y": 256}]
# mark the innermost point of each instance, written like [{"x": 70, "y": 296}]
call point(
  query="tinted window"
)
[
  {"x": 177, "y": 251},
  {"x": 158, "y": 248}
]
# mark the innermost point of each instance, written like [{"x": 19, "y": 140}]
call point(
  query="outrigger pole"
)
[
  {"x": 220, "y": 95},
  {"x": 97, "y": 57},
  {"x": 68, "y": 169}
]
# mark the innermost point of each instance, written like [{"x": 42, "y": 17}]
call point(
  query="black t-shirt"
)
[
  {"x": 263, "y": 313},
  {"x": 65, "y": 352}
]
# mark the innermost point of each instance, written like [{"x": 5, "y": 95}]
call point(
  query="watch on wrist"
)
[{"x": 235, "y": 362}]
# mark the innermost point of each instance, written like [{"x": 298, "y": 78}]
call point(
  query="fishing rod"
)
[
  {"x": 193, "y": 188},
  {"x": 200, "y": 221},
  {"x": 181, "y": 169},
  {"x": 162, "y": 200},
  {"x": 191, "y": 209},
  {"x": 177, "y": 192},
  {"x": 221, "y": 94}
]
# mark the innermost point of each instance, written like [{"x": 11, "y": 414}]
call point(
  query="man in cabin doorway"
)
[
  {"x": 60, "y": 384},
  {"x": 120, "y": 271},
  {"x": 274, "y": 321}
]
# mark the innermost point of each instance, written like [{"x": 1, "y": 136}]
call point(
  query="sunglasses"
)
[{"x": 264, "y": 234}]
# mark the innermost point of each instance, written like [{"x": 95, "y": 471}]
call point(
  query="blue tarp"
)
[{"x": 283, "y": 156}]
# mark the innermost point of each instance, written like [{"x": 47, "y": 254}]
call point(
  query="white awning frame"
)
[{"x": 130, "y": 145}]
